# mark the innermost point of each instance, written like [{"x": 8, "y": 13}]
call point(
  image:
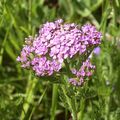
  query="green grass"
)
[{"x": 22, "y": 97}]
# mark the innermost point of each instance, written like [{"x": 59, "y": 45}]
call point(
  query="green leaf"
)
[{"x": 10, "y": 51}]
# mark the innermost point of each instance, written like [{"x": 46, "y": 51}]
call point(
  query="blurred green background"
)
[{"x": 21, "y": 18}]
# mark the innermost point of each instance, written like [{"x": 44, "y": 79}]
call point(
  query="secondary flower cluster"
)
[
  {"x": 85, "y": 70},
  {"x": 56, "y": 42}
]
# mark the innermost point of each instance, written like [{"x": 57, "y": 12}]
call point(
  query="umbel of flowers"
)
[{"x": 56, "y": 42}]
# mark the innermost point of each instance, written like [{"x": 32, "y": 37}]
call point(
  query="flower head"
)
[
  {"x": 55, "y": 42},
  {"x": 86, "y": 70}
]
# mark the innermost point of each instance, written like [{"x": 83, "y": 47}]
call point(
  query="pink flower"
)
[{"x": 55, "y": 42}]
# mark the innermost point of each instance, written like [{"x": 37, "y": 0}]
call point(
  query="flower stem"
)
[
  {"x": 71, "y": 104},
  {"x": 29, "y": 15},
  {"x": 82, "y": 107},
  {"x": 29, "y": 97},
  {"x": 54, "y": 101}
]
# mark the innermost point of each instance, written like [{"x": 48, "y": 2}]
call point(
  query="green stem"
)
[
  {"x": 39, "y": 101},
  {"x": 114, "y": 17},
  {"x": 29, "y": 15},
  {"x": 3, "y": 45},
  {"x": 54, "y": 101},
  {"x": 66, "y": 114},
  {"x": 29, "y": 96},
  {"x": 107, "y": 108},
  {"x": 82, "y": 107},
  {"x": 70, "y": 103}
]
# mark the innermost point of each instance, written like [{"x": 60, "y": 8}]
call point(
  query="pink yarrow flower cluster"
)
[
  {"x": 55, "y": 42},
  {"x": 86, "y": 70}
]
